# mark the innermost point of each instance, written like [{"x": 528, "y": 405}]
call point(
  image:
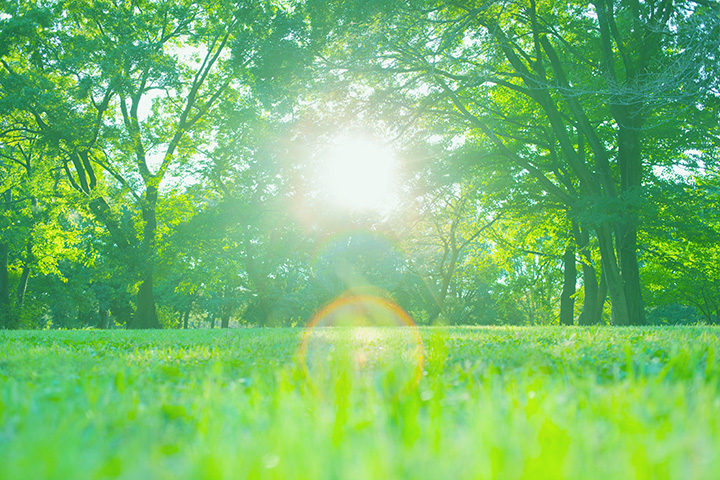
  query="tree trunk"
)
[
  {"x": 4, "y": 286},
  {"x": 103, "y": 318},
  {"x": 627, "y": 251},
  {"x": 630, "y": 163},
  {"x": 146, "y": 311},
  {"x": 591, "y": 310},
  {"x": 24, "y": 278},
  {"x": 185, "y": 318},
  {"x": 589, "y": 314},
  {"x": 567, "y": 299},
  {"x": 444, "y": 286},
  {"x": 22, "y": 287},
  {"x": 612, "y": 276},
  {"x": 226, "y": 308},
  {"x": 601, "y": 296}
]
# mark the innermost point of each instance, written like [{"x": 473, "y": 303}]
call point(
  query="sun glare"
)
[{"x": 358, "y": 174}]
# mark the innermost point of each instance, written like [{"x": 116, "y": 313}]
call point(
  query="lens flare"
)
[{"x": 363, "y": 339}]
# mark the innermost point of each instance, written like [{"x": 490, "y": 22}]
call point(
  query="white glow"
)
[{"x": 359, "y": 174}]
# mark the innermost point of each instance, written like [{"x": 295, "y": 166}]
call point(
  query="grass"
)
[{"x": 535, "y": 402}]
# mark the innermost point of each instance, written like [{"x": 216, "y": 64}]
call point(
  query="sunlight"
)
[
  {"x": 366, "y": 339},
  {"x": 359, "y": 174}
]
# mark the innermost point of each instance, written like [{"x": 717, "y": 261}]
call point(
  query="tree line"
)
[{"x": 559, "y": 160}]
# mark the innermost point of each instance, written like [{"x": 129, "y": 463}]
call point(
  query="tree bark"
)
[
  {"x": 630, "y": 163},
  {"x": 592, "y": 310},
  {"x": 25, "y": 275},
  {"x": 22, "y": 287},
  {"x": 612, "y": 276},
  {"x": 601, "y": 296},
  {"x": 627, "y": 251},
  {"x": 146, "y": 311},
  {"x": 185, "y": 318},
  {"x": 24, "y": 278},
  {"x": 567, "y": 299}
]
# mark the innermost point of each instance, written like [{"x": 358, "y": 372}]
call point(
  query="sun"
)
[{"x": 358, "y": 174}]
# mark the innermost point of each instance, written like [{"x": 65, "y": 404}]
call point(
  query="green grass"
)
[{"x": 545, "y": 402}]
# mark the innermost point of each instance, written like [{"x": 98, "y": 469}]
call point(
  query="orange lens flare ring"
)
[{"x": 364, "y": 311}]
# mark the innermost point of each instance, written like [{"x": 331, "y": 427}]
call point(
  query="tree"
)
[
  {"x": 52, "y": 119},
  {"x": 453, "y": 217},
  {"x": 571, "y": 93},
  {"x": 144, "y": 51},
  {"x": 38, "y": 224},
  {"x": 682, "y": 261}
]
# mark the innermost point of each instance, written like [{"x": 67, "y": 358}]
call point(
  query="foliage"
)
[
  {"x": 570, "y": 98},
  {"x": 682, "y": 257},
  {"x": 156, "y": 160}
]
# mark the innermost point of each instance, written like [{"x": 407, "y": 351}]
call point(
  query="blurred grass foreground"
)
[{"x": 364, "y": 402}]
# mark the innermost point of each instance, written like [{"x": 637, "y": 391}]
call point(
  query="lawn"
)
[{"x": 365, "y": 403}]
